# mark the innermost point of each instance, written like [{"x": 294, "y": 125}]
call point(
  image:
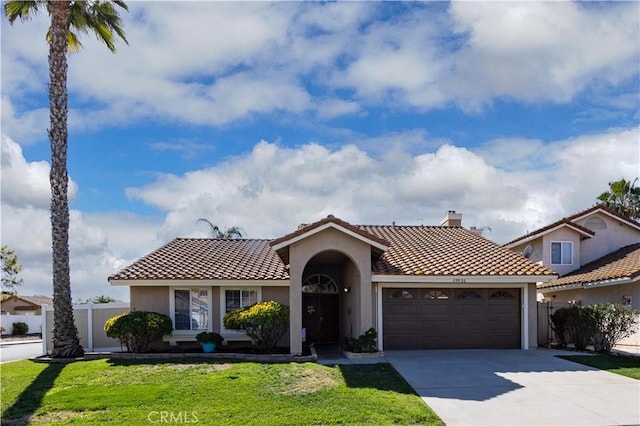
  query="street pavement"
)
[{"x": 15, "y": 351}]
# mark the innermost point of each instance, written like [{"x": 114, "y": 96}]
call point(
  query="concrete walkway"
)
[{"x": 515, "y": 387}]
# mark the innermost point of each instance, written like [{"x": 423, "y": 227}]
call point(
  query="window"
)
[
  {"x": 468, "y": 294},
  {"x": 234, "y": 299},
  {"x": 319, "y": 283},
  {"x": 191, "y": 309},
  {"x": 401, "y": 294},
  {"x": 502, "y": 294},
  {"x": 562, "y": 253},
  {"x": 435, "y": 295}
]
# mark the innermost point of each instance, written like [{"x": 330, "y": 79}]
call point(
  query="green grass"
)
[
  {"x": 208, "y": 392},
  {"x": 625, "y": 366}
]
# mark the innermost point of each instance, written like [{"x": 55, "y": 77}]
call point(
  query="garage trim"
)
[{"x": 524, "y": 301}]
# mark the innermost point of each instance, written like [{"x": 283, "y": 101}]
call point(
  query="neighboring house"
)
[
  {"x": 418, "y": 286},
  {"x": 21, "y": 305},
  {"x": 596, "y": 253}
]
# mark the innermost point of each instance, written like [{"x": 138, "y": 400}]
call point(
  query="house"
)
[
  {"x": 596, "y": 254},
  {"x": 13, "y": 304},
  {"x": 418, "y": 286}
]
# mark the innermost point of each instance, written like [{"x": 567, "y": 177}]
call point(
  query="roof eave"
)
[
  {"x": 594, "y": 284},
  {"x": 199, "y": 283},
  {"x": 461, "y": 279}
]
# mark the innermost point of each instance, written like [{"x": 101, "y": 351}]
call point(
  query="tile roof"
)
[
  {"x": 413, "y": 250},
  {"x": 623, "y": 263},
  {"x": 569, "y": 220},
  {"x": 36, "y": 300},
  {"x": 442, "y": 250},
  {"x": 207, "y": 259}
]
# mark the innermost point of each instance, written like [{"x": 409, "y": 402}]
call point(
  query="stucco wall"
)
[
  {"x": 280, "y": 295},
  {"x": 153, "y": 299},
  {"x": 617, "y": 235},
  {"x": 561, "y": 235},
  {"x": 609, "y": 294},
  {"x": 301, "y": 252}
]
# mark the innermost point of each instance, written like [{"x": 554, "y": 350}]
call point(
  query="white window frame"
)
[
  {"x": 561, "y": 258},
  {"x": 234, "y": 334},
  {"x": 172, "y": 309}
]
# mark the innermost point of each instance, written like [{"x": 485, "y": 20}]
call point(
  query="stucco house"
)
[
  {"x": 596, "y": 254},
  {"x": 418, "y": 286},
  {"x": 23, "y": 305}
]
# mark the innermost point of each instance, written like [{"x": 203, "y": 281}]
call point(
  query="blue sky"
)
[{"x": 273, "y": 114}]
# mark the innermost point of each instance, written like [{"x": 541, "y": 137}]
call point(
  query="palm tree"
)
[
  {"x": 227, "y": 234},
  {"x": 102, "y": 299},
  {"x": 68, "y": 17},
  {"x": 623, "y": 197}
]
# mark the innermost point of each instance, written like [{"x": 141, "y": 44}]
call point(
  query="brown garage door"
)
[{"x": 444, "y": 318}]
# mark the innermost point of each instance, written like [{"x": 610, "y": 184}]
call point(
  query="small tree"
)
[
  {"x": 559, "y": 325},
  {"x": 613, "y": 323},
  {"x": 138, "y": 329},
  {"x": 102, "y": 299},
  {"x": 265, "y": 323},
  {"x": 10, "y": 269}
]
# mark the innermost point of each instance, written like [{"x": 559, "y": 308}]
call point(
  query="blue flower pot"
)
[{"x": 208, "y": 347}]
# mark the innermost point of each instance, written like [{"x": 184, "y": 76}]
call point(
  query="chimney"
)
[{"x": 452, "y": 219}]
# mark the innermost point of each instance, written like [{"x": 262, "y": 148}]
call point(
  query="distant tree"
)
[
  {"x": 623, "y": 197},
  {"x": 227, "y": 234},
  {"x": 102, "y": 299},
  {"x": 10, "y": 270}
]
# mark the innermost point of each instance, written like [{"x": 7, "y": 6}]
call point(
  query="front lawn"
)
[
  {"x": 625, "y": 366},
  {"x": 207, "y": 392}
]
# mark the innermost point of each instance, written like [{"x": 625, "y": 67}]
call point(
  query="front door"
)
[
  {"x": 320, "y": 309},
  {"x": 320, "y": 317}
]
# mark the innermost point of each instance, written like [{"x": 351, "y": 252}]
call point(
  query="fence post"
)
[
  {"x": 45, "y": 329},
  {"x": 90, "y": 326}
]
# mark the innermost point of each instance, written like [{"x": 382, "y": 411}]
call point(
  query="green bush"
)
[
  {"x": 366, "y": 342},
  {"x": 613, "y": 323},
  {"x": 137, "y": 329},
  {"x": 265, "y": 323},
  {"x": 599, "y": 324},
  {"x": 20, "y": 328}
]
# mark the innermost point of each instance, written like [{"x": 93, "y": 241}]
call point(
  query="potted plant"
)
[{"x": 209, "y": 340}]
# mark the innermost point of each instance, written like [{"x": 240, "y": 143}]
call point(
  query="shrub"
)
[
  {"x": 137, "y": 329},
  {"x": 265, "y": 323},
  {"x": 366, "y": 342},
  {"x": 559, "y": 324},
  {"x": 574, "y": 324},
  {"x": 209, "y": 337},
  {"x": 613, "y": 323},
  {"x": 20, "y": 328}
]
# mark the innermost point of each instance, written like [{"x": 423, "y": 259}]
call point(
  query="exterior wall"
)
[
  {"x": 153, "y": 299},
  {"x": 616, "y": 236},
  {"x": 537, "y": 255},
  {"x": 301, "y": 252},
  {"x": 608, "y": 294},
  {"x": 280, "y": 295},
  {"x": 348, "y": 301},
  {"x": 562, "y": 234}
]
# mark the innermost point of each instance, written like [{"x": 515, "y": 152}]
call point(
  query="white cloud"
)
[
  {"x": 539, "y": 51},
  {"x": 100, "y": 244},
  {"x": 272, "y": 189},
  {"x": 249, "y": 59}
]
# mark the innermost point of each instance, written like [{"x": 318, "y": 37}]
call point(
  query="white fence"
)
[
  {"x": 34, "y": 322},
  {"x": 90, "y": 319}
]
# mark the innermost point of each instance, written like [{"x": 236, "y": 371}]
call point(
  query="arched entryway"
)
[
  {"x": 327, "y": 297},
  {"x": 320, "y": 305}
]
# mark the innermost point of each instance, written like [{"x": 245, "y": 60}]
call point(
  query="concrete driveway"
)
[{"x": 515, "y": 387}]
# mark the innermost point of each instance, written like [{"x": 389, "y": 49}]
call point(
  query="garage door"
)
[{"x": 469, "y": 318}]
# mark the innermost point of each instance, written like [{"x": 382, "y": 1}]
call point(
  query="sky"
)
[{"x": 267, "y": 115}]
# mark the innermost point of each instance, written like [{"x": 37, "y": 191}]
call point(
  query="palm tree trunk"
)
[{"x": 65, "y": 334}]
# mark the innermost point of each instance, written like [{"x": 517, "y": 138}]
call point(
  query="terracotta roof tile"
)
[
  {"x": 436, "y": 250},
  {"x": 623, "y": 263},
  {"x": 413, "y": 250},
  {"x": 207, "y": 259}
]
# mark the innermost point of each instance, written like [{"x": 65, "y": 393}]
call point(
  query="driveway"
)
[{"x": 515, "y": 387}]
